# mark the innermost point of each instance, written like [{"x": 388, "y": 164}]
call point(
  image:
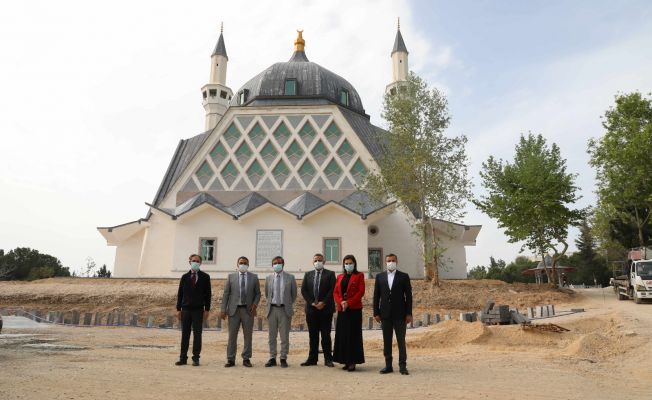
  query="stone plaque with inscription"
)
[{"x": 269, "y": 244}]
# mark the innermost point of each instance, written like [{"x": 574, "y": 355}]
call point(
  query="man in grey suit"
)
[
  {"x": 239, "y": 302},
  {"x": 280, "y": 292}
]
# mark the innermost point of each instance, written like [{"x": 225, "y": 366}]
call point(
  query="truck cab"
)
[{"x": 640, "y": 277}]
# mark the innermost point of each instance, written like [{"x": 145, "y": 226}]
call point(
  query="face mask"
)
[
  {"x": 319, "y": 265},
  {"x": 391, "y": 266},
  {"x": 278, "y": 267},
  {"x": 194, "y": 266},
  {"x": 243, "y": 267},
  {"x": 349, "y": 267}
]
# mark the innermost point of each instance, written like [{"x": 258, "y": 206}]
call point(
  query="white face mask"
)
[
  {"x": 391, "y": 266},
  {"x": 243, "y": 267},
  {"x": 194, "y": 266},
  {"x": 319, "y": 265},
  {"x": 277, "y": 267}
]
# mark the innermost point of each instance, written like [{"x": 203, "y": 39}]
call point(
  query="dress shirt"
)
[{"x": 390, "y": 278}]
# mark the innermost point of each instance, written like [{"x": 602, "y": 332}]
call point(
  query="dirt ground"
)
[
  {"x": 157, "y": 297},
  {"x": 605, "y": 355}
]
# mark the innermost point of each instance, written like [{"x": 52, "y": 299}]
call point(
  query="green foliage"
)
[
  {"x": 23, "y": 263},
  {"x": 623, "y": 169},
  {"x": 423, "y": 168},
  {"x": 498, "y": 269},
  {"x": 591, "y": 267},
  {"x": 103, "y": 272},
  {"x": 531, "y": 196}
]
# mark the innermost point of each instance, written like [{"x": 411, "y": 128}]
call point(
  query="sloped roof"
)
[
  {"x": 183, "y": 155},
  {"x": 361, "y": 203},
  {"x": 246, "y": 204},
  {"x": 304, "y": 204}
]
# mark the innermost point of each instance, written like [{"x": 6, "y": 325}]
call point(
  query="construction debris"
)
[{"x": 544, "y": 328}]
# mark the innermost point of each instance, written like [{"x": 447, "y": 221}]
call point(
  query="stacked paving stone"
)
[{"x": 493, "y": 314}]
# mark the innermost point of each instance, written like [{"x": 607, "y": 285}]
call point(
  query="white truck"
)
[{"x": 636, "y": 283}]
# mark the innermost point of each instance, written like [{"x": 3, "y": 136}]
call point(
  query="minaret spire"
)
[
  {"x": 399, "y": 60},
  {"x": 216, "y": 95}
]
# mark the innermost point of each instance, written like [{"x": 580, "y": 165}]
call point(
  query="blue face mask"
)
[
  {"x": 194, "y": 266},
  {"x": 349, "y": 267},
  {"x": 277, "y": 267}
]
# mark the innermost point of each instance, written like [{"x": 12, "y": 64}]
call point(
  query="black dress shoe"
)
[
  {"x": 308, "y": 363},
  {"x": 345, "y": 367},
  {"x": 387, "y": 370},
  {"x": 404, "y": 371},
  {"x": 247, "y": 363},
  {"x": 195, "y": 363},
  {"x": 329, "y": 363},
  {"x": 229, "y": 364},
  {"x": 181, "y": 362},
  {"x": 351, "y": 368},
  {"x": 271, "y": 362},
  {"x": 284, "y": 363}
]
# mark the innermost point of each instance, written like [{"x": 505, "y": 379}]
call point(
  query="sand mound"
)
[
  {"x": 448, "y": 334},
  {"x": 594, "y": 346}
]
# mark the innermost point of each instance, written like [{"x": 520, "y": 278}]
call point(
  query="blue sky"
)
[{"x": 95, "y": 97}]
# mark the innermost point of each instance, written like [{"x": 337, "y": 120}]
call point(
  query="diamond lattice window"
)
[
  {"x": 281, "y": 172},
  {"x": 281, "y": 134},
  {"x": 243, "y": 154},
  {"x": 346, "y": 152},
  {"x": 333, "y": 172},
  {"x": 229, "y": 173},
  {"x": 257, "y": 135},
  {"x": 307, "y": 172},
  {"x": 232, "y": 134},
  {"x": 255, "y": 173},
  {"x": 218, "y": 154},
  {"x": 268, "y": 153},
  {"x": 319, "y": 152},
  {"x": 294, "y": 153},
  {"x": 307, "y": 133},
  {"x": 359, "y": 171},
  {"x": 333, "y": 133},
  {"x": 204, "y": 173}
]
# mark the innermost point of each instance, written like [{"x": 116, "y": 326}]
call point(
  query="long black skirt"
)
[{"x": 348, "y": 347}]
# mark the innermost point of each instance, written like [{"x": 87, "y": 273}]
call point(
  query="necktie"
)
[
  {"x": 242, "y": 288},
  {"x": 194, "y": 279},
  {"x": 316, "y": 286},
  {"x": 277, "y": 289}
]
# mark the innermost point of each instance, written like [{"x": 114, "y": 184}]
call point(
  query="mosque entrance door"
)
[{"x": 375, "y": 262}]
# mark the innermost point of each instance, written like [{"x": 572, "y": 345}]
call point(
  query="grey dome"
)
[{"x": 313, "y": 83}]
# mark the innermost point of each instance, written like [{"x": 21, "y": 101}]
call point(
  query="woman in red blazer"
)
[{"x": 348, "y": 294}]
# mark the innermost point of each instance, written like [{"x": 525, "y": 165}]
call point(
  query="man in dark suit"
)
[
  {"x": 317, "y": 291},
  {"x": 193, "y": 305},
  {"x": 393, "y": 309}
]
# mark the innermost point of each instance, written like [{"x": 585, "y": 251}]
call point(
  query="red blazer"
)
[{"x": 354, "y": 292}]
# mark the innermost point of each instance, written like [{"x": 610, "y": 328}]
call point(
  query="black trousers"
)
[
  {"x": 320, "y": 322},
  {"x": 391, "y": 326},
  {"x": 191, "y": 320}
]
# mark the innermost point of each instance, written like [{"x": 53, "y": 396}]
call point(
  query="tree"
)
[
  {"x": 498, "y": 269},
  {"x": 23, "y": 263},
  {"x": 530, "y": 198},
  {"x": 591, "y": 267},
  {"x": 90, "y": 267},
  {"x": 423, "y": 168},
  {"x": 622, "y": 162},
  {"x": 103, "y": 272}
]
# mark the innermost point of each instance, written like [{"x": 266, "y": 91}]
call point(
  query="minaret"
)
[
  {"x": 399, "y": 61},
  {"x": 216, "y": 95}
]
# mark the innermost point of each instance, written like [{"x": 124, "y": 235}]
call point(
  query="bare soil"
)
[
  {"x": 604, "y": 355},
  {"x": 157, "y": 297}
]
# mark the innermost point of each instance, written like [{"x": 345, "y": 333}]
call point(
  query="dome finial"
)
[
  {"x": 299, "y": 44},
  {"x": 221, "y": 27},
  {"x": 399, "y": 24}
]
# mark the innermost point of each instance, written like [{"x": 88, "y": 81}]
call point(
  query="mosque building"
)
[{"x": 278, "y": 172}]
